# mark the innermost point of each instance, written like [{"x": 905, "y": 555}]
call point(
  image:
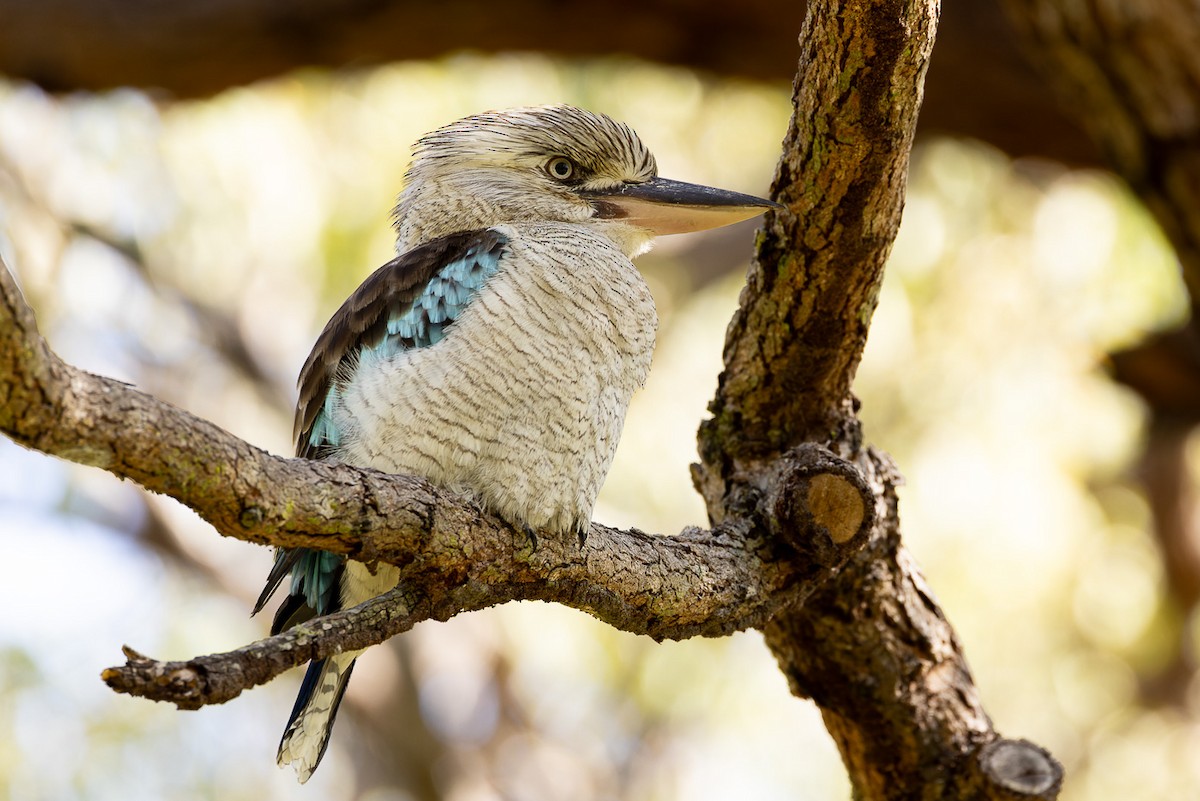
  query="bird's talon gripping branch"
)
[{"x": 531, "y": 537}]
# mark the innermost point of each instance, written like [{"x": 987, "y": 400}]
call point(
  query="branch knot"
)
[{"x": 821, "y": 505}]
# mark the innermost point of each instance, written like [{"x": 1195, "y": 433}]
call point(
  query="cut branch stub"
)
[
  {"x": 822, "y": 506},
  {"x": 1018, "y": 770}
]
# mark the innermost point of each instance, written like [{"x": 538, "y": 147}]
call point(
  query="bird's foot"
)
[{"x": 531, "y": 534}]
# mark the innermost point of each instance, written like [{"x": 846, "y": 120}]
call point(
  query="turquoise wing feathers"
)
[{"x": 410, "y": 302}]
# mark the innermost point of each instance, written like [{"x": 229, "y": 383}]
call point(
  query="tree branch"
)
[
  {"x": 871, "y": 646},
  {"x": 1128, "y": 72},
  {"x": 1130, "y": 75},
  {"x": 453, "y": 555},
  {"x": 218, "y": 678}
]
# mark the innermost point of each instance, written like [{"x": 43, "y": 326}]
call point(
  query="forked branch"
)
[{"x": 453, "y": 555}]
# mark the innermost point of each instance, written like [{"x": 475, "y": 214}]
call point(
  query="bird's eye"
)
[{"x": 560, "y": 167}]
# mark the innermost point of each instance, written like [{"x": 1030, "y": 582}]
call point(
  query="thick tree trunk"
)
[{"x": 871, "y": 647}]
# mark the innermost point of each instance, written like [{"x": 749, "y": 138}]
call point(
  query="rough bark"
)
[
  {"x": 1165, "y": 372},
  {"x": 871, "y": 647},
  {"x": 454, "y": 556},
  {"x": 805, "y": 540},
  {"x": 979, "y": 85}
]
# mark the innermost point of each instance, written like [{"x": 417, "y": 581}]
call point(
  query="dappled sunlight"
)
[
  {"x": 987, "y": 385},
  {"x": 224, "y": 233}
]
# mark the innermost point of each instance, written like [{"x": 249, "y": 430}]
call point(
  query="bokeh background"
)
[{"x": 196, "y": 248}]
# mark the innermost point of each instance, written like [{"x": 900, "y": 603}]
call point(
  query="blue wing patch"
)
[
  {"x": 410, "y": 302},
  {"x": 445, "y": 296},
  {"x": 424, "y": 322}
]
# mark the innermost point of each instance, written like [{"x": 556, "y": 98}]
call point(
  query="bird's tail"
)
[{"x": 308, "y": 729}]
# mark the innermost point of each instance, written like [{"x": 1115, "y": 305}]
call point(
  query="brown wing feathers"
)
[{"x": 363, "y": 319}]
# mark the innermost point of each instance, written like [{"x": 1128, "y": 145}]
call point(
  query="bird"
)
[{"x": 496, "y": 354}]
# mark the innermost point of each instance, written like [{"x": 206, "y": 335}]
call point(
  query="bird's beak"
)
[{"x": 663, "y": 206}]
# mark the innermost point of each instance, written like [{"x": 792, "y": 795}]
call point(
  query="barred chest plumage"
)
[{"x": 522, "y": 402}]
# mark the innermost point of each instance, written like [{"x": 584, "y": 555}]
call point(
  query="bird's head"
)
[{"x": 553, "y": 163}]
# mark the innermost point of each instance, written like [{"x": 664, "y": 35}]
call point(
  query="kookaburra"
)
[{"x": 497, "y": 353}]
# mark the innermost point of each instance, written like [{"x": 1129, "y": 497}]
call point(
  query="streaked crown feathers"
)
[{"x": 597, "y": 144}]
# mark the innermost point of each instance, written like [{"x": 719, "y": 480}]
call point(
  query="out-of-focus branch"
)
[
  {"x": 1130, "y": 74},
  {"x": 978, "y": 85}
]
